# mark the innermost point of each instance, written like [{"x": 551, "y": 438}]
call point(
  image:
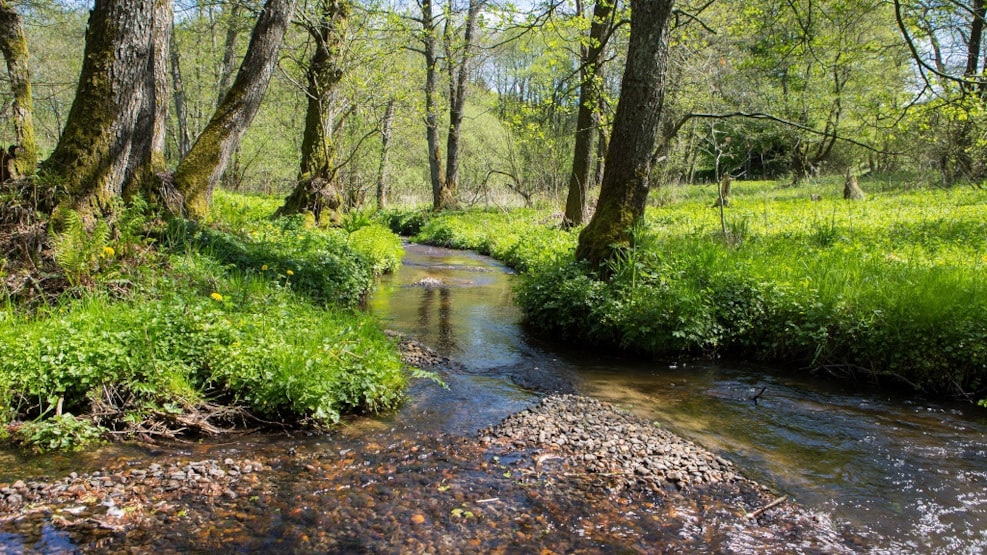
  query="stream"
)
[{"x": 905, "y": 474}]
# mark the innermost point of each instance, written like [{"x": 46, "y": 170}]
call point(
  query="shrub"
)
[{"x": 378, "y": 245}]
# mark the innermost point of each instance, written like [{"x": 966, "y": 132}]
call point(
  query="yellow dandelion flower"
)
[
  {"x": 263, "y": 268},
  {"x": 108, "y": 252},
  {"x": 216, "y": 296},
  {"x": 290, "y": 273}
]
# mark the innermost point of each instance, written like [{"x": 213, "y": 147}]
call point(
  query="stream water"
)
[{"x": 906, "y": 475}]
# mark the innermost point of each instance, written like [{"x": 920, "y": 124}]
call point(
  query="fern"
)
[{"x": 77, "y": 251}]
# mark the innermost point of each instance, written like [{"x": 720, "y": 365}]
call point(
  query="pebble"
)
[{"x": 201, "y": 477}]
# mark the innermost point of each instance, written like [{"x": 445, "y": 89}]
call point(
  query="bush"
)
[{"x": 378, "y": 245}]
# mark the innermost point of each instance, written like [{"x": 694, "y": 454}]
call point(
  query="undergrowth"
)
[{"x": 247, "y": 320}]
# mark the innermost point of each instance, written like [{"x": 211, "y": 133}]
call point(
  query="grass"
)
[
  {"x": 248, "y": 318},
  {"x": 891, "y": 289}
]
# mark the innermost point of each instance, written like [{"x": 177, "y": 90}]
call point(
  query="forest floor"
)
[{"x": 570, "y": 475}]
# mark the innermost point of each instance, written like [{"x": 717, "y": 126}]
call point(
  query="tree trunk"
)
[
  {"x": 601, "y": 155},
  {"x": 181, "y": 108},
  {"x": 630, "y": 156},
  {"x": 114, "y": 136},
  {"x": 458, "y": 73},
  {"x": 13, "y": 44},
  {"x": 851, "y": 189},
  {"x": 587, "y": 119},
  {"x": 324, "y": 73},
  {"x": 200, "y": 171},
  {"x": 229, "y": 51},
  {"x": 385, "y": 146},
  {"x": 431, "y": 114}
]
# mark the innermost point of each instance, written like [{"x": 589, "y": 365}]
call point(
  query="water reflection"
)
[{"x": 445, "y": 342}]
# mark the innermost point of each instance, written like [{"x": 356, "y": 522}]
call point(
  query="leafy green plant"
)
[
  {"x": 355, "y": 220},
  {"x": 381, "y": 247},
  {"x": 62, "y": 432},
  {"x": 77, "y": 251}
]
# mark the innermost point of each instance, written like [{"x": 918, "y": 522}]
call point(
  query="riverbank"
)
[
  {"x": 889, "y": 290},
  {"x": 150, "y": 328}
]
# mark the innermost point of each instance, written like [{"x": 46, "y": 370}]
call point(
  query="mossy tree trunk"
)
[
  {"x": 113, "y": 139},
  {"x": 630, "y": 156},
  {"x": 458, "y": 66},
  {"x": 428, "y": 38},
  {"x": 324, "y": 72},
  {"x": 200, "y": 171},
  {"x": 13, "y": 44},
  {"x": 587, "y": 118}
]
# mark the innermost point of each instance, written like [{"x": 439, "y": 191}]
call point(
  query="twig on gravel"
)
[{"x": 771, "y": 505}]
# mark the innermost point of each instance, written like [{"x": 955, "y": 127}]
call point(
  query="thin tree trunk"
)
[
  {"x": 385, "y": 147},
  {"x": 588, "y": 118},
  {"x": 200, "y": 171},
  {"x": 458, "y": 73},
  {"x": 181, "y": 108},
  {"x": 315, "y": 190},
  {"x": 601, "y": 156},
  {"x": 624, "y": 192},
  {"x": 114, "y": 135},
  {"x": 431, "y": 115},
  {"x": 13, "y": 44},
  {"x": 228, "y": 65}
]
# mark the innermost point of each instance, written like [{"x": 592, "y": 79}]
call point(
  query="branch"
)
[
  {"x": 762, "y": 116},
  {"x": 918, "y": 57}
]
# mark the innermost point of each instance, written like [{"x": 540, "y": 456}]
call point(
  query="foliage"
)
[
  {"x": 377, "y": 244},
  {"x": 58, "y": 433},
  {"x": 258, "y": 319},
  {"x": 287, "y": 362},
  {"x": 78, "y": 252},
  {"x": 515, "y": 238}
]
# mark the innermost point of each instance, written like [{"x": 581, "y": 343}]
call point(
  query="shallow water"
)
[{"x": 908, "y": 476}]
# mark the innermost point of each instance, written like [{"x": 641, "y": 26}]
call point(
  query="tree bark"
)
[
  {"x": 588, "y": 118},
  {"x": 200, "y": 171},
  {"x": 431, "y": 115},
  {"x": 387, "y": 128},
  {"x": 851, "y": 189},
  {"x": 114, "y": 136},
  {"x": 13, "y": 44},
  {"x": 181, "y": 108},
  {"x": 323, "y": 74},
  {"x": 624, "y": 192},
  {"x": 458, "y": 73}
]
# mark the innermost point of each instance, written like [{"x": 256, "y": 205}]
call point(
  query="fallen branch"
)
[{"x": 771, "y": 505}]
